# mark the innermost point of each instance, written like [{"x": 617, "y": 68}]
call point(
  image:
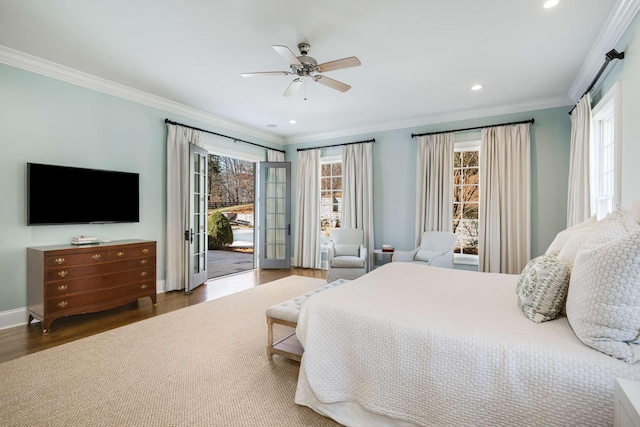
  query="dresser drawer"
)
[
  {"x": 80, "y": 301},
  {"x": 92, "y": 257},
  {"x": 85, "y": 271},
  {"x": 135, "y": 252},
  {"x": 72, "y": 286}
]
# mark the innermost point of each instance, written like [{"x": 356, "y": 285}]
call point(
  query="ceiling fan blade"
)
[
  {"x": 351, "y": 61},
  {"x": 333, "y": 84},
  {"x": 287, "y": 54},
  {"x": 293, "y": 87},
  {"x": 266, "y": 73}
]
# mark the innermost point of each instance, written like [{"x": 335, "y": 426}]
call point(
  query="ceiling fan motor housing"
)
[{"x": 304, "y": 48}]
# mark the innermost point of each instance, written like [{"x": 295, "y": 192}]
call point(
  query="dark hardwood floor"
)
[{"x": 25, "y": 339}]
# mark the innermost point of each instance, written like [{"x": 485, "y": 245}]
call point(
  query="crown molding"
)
[
  {"x": 533, "y": 105},
  {"x": 617, "y": 23},
  {"x": 41, "y": 66}
]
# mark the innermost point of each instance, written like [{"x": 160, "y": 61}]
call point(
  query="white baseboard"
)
[
  {"x": 19, "y": 316},
  {"x": 15, "y": 317}
]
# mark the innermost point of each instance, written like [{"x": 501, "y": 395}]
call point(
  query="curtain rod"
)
[
  {"x": 608, "y": 57},
  {"x": 338, "y": 145},
  {"x": 532, "y": 121},
  {"x": 219, "y": 134}
]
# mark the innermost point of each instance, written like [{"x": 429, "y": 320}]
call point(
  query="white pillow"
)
[
  {"x": 603, "y": 303},
  {"x": 425, "y": 255},
  {"x": 572, "y": 246},
  {"x": 563, "y": 236},
  {"x": 542, "y": 288}
]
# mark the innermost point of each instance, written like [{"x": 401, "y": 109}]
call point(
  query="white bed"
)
[{"x": 415, "y": 345}]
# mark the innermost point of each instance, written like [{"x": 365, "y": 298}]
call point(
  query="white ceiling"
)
[{"x": 419, "y": 57}]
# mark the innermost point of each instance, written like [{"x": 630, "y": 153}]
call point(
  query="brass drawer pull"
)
[
  {"x": 59, "y": 260},
  {"x": 63, "y": 304},
  {"x": 96, "y": 257},
  {"x": 145, "y": 251},
  {"x": 143, "y": 261},
  {"x": 120, "y": 254},
  {"x": 143, "y": 274},
  {"x": 62, "y": 288},
  {"x": 62, "y": 273},
  {"x": 143, "y": 286}
]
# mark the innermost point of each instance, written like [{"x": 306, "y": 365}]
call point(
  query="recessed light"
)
[
  {"x": 551, "y": 3},
  {"x": 476, "y": 87},
  {"x": 293, "y": 122},
  {"x": 272, "y": 125}
]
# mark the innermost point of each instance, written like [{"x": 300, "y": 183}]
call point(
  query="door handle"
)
[
  {"x": 289, "y": 230},
  {"x": 188, "y": 235}
]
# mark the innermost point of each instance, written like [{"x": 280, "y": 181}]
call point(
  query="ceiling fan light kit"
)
[{"x": 306, "y": 67}]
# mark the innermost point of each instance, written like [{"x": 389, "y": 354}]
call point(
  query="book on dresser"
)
[{"x": 64, "y": 280}]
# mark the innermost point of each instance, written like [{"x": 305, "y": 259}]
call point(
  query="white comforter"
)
[{"x": 441, "y": 347}]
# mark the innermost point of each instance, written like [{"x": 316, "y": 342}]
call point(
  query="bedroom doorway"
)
[{"x": 230, "y": 225}]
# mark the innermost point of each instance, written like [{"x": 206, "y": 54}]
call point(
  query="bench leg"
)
[{"x": 270, "y": 338}]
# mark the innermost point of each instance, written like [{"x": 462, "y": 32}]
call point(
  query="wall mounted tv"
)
[{"x": 70, "y": 195}]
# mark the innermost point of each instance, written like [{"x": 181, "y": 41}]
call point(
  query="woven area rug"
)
[{"x": 204, "y": 365}]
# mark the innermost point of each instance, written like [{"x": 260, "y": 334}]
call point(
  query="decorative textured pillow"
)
[
  {"x": 617, "y": 224},
  {"x": 563, "y": 236},
  {"x": 603, "y": 303},
  {"x": 341, "y": 250},
  {"x": 542, "y": 288}
]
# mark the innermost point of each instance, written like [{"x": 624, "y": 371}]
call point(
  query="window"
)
[
  {"x": 466, "y": 196},
  {"x": 330, "y": 194},
  {"x": 604, "y": 155}
]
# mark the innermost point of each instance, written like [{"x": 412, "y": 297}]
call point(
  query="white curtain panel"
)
[
  {"x": 307, "y": 238},
  {"x": 275, "y": 156},
  {"x": 579, "y": 195},
  {"x": 434, "y": 187},
  {"x": 505, "y": 199},
  {"x": 177, "y": 248},
  {"x": 357, "y": 191}
]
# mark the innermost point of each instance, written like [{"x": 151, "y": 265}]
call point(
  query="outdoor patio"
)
[{"x": 230, "y": 261}]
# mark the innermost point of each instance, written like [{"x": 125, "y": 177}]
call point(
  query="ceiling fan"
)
[{"x": 305, "y": 67}]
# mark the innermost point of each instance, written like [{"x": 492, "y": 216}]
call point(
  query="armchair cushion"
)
[
  {"x": 347, "y": 261},
  {"x": 346, "y": 250}
]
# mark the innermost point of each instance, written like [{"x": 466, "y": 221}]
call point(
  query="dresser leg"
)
[
  {"x": 46, "y": 326},
  {"x": 30, "y": 319}
]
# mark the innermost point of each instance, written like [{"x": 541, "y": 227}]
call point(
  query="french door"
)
[
  {"x": 274, "y": 214},
  {"x": 196, "y": 235}
]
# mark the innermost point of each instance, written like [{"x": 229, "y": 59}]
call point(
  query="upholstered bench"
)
[{"x": 287, "y": 313}]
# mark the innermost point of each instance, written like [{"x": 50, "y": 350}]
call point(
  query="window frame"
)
[
  {"x": 473, "y": 145},
  {"x": 608, "y": 106}
]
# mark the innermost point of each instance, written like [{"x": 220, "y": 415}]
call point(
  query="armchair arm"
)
[
  {"x": 404, "y": 256},
  {"x": 331, "y": 252},
  {"x": 362, "y": 252}
]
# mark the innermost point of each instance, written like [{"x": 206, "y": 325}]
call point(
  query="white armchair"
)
[
  {"x": 346, "y": 256},
  {"x": 436, "y": 249}
]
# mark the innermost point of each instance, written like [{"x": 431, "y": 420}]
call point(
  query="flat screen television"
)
[{"x": 71, "y": 195}]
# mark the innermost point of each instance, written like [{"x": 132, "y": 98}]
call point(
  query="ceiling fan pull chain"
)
[{"x": 305, "y": 89}]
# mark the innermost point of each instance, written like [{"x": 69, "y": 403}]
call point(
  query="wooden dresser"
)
[{"x": 67, "y": 279}]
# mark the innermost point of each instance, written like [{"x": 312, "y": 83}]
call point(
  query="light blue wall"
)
[
  {"x": 627, "y": 72},
  {"x": 45, "y": 120},
  {"x": 394, "y": 182}
]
